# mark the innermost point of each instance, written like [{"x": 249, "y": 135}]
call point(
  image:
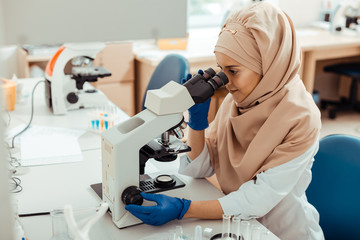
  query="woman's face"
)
[{"x": 242, "y": 81}]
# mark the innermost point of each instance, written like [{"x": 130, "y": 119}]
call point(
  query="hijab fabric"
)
[{"x": 279, "y": 120}]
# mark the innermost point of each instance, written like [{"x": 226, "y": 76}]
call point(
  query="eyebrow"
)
[{"x": 229, "y": 66}]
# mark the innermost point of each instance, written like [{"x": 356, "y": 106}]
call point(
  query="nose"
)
[{"x": 229, "y": 81}]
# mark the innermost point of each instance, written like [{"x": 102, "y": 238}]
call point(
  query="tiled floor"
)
[{"x": 344, "y": 123}]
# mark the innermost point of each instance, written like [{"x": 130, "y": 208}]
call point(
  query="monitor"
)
[{"x": 63, "y": 21}]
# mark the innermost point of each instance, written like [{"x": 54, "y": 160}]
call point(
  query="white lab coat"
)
[{"x": 276, "y": 198}]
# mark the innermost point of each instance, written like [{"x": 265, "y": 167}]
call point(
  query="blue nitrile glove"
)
[
  {"x": 198, "y": 114},
  {"x": 167, "y": 209}
]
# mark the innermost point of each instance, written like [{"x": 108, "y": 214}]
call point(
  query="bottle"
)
[
  {"x": 326, "y": 10},
  {"x": 19, "y": 89},
  {"x": 19, "y": 231}
]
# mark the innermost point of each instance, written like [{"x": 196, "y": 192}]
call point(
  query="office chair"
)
[
  {"x": 173, "y": 67},
  {"x": 351, "y": 70},
  {"x": 335, "y": 187}
]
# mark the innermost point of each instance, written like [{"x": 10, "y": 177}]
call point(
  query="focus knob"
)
[
  {"x": 131, "y": 195},
  {"x": 72, "y": 98}
]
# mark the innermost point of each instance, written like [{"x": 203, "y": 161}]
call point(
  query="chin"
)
[{"x": 237, "y": 99}]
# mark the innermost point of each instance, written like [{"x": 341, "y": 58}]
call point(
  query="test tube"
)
[
  {"x": 236, "y": 228},
  {"x": 198, "y": 233},
  {"x": 245, "y": 230},
  {"x": 226, "y": 224}
]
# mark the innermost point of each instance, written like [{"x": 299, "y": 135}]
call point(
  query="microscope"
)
[
  {"x": 67, "y": 91},
  {"x": 346, "y": 17},
  {"x": 152, "y": 133}
]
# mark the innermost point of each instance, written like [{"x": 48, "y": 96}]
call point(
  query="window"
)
[
  {"x": 207, "y": 13},
  {"x": 212, "y": 13}
]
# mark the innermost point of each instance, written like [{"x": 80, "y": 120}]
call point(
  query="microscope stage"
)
[{"x": 148, "y": 185}]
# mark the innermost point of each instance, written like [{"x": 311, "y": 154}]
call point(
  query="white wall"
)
[
  {"x": 302, "y": 12},
  {"x": 6, "y": 222},
  {"x": 1, "y": 37},
  {"x": 1, "y": 23},
  {"x": 8, "y": 62}
]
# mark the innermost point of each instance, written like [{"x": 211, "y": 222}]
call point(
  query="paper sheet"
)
[
  {"x": 48, "y": 145},
  {"x": 52, "y": 131}
]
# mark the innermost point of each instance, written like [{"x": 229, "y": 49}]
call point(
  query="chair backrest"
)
[
  {"x": 173, "y": 67},
  {"x": 335, "y": 187}
]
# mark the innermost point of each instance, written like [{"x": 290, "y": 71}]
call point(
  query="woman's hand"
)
[
  {"x": 198, "y": 114},
  {"x": 167, "y": 209}
]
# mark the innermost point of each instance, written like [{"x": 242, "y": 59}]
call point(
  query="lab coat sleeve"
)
[
  {"x": 273, "y": 185},
  {"x": 200, "y": 167}
]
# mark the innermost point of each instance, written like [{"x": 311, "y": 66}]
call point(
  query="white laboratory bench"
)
[{"x": 50, "y": 187}]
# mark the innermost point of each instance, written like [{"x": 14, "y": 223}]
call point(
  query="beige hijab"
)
[{"x": 279, "y": 120}]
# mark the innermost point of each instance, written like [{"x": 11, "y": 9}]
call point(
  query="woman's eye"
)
[{"x": 232, "y": 71}]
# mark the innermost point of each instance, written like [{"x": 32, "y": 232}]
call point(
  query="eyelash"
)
[{"x": 230, "y": 70}]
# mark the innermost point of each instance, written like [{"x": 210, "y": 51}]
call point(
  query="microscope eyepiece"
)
[
  {"x": 208, "y": 73},
  {"x": 203, "y": 85},
  {"x": 219, "y": 80}
]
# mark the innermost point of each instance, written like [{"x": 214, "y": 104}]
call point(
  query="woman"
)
[{"x": 263, "y": 139}]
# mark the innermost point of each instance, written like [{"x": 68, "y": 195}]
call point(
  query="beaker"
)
[{"x": 59, "y": 225}]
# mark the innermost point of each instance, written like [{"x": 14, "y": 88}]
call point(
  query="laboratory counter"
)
[{"x": 46, "y": 187}]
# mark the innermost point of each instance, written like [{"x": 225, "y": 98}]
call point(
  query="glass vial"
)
[
  {"x": 59, "y": 225},
  {"x": 226, "y": 227},
  {"x": 236, "y": 233},
  {"x": 198, "y": 233}
]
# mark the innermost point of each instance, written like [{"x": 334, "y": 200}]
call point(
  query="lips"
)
[{"x": 232, "y": 91}]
